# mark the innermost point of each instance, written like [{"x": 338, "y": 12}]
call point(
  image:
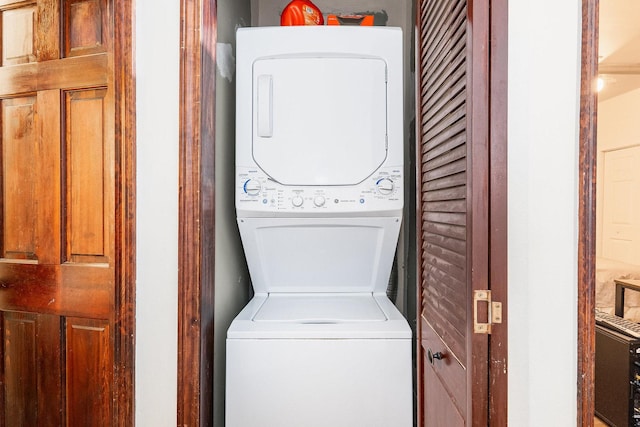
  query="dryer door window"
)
[{"x": 320, "y": 120}]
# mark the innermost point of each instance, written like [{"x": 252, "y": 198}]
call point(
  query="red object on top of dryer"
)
[{"x": 301, "y": 12}]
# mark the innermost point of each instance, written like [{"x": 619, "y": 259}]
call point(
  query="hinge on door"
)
[{"x": 494, "y": 312}]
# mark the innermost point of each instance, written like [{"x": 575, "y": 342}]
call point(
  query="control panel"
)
[{"x": 255, "y": 191}]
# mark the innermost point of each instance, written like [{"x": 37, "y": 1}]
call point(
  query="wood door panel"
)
[
  {"x": 19, "y": 147},
  {"x": 21, "y": 388},
  {"x": 448, "y": 371},
  {"x": 89, "y": 374},
  {"x": 439, "y": 410},
  {"x": 18, "y": 45},
  {"x": 30, "y": 183},
  {"x": 87, "y": 231},
  {"x": 31, "y": 368},
  {"x": 84, "y": 27}
]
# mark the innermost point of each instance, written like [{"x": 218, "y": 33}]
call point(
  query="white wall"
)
[
  {"x": 157, "y": 36},
  {"x": 618, "y": 124},
  {"x": 544, "y": 61}
]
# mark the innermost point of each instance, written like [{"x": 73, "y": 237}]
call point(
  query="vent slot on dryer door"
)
[{"x": 319, "y": 120}]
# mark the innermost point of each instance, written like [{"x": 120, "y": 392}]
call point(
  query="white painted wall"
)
[
  {"x": 544, "y": 64},
  {"x": 157, "y": 36},
  {"x": 618, "y": 124}
]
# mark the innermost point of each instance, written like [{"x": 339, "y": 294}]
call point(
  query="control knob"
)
[
  {"x": 385, "y": 186},
  {"x": 252, "y": 187},
  {"x": 319, "y": 201},
  {"x": 297, "y": 201}
]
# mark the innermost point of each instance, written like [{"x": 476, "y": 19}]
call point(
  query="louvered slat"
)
[{"x": 443, "y": 144}]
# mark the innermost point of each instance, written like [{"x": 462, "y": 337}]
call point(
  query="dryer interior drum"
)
[{"x": 328, "y": 128}]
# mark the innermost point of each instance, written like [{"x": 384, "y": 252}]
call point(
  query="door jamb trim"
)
[
  {"x": 196, "y": 237},
  {"x": 125, "y": 214},
  {"x": 587, "y": 214}
]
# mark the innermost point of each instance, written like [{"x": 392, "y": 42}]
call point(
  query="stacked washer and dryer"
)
[{"x": 319, "y": 198}]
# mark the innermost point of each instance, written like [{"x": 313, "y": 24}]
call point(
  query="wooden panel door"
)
[
  {"x": 57, "y": 213},
  {"x": 461, "y": 196}
]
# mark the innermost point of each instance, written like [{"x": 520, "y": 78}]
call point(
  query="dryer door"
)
[{"x": 319, "y": 120}]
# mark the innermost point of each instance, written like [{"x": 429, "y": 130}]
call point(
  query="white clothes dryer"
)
[{"x": 319, "y": 173}]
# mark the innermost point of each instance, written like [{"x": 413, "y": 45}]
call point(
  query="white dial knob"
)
[
  {"x": 385, "y": 186},
  {"x": 297, "y": 201},
  {"x": 252, "y": 187},
  {"x": 319, "y": 201}
]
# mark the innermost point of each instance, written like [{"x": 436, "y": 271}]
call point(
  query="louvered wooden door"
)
[
  {"x": 454, "y": 182},
  {"x": 57, "y": 269}
]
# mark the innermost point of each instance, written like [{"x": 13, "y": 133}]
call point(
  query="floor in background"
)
[{"x": 599, "y": 423}]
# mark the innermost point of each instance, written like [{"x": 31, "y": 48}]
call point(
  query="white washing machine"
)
[{"x": 319, "y": 173}]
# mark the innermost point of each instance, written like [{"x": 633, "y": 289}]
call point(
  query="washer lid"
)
[
  {"x": 319, "y": 120},
  {"x": 319, "y": 255},
  {"x": 320, "y": 308}
]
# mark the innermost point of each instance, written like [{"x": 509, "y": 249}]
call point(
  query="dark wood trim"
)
[
  {"x": 498, "y": 344},
  {"x": 196, "y": 213},
  {"x": 125, "y": 228},
  {"x": 189, "y": 255},
  {"x": 478, "y": 233},
  {"x": 207, "y": 207},
  {"x": 587, "y": 214}
]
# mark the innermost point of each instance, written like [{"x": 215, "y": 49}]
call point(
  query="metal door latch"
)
[{"x": 494, "y": 312}]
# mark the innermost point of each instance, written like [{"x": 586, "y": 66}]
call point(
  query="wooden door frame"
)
[
  {"x": 587, "y": 214},
  {"x": 489, "y": 87},
  {"x": 196, "y": 237},
  {"x": 125, "y": 213},
  {"x": 498, "y": 235}
]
